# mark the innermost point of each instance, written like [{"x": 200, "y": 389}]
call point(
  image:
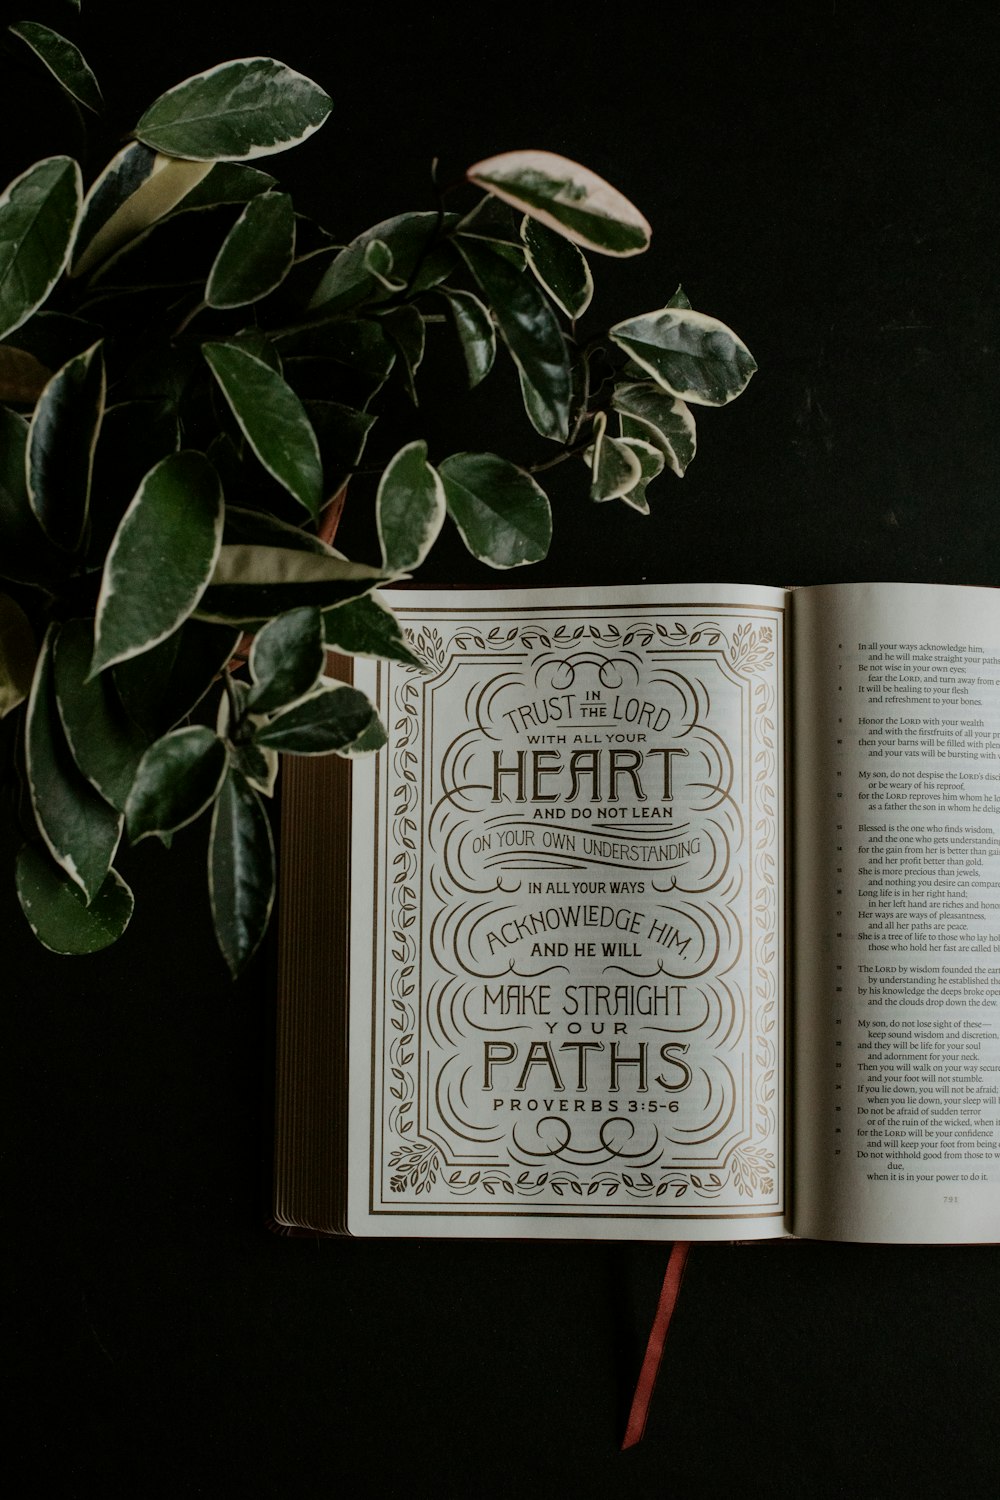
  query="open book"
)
[{"x": 667, "y": 913}]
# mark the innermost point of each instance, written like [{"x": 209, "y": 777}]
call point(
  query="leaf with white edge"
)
[
  {"x": 566, "y": 197},
  {"x": 64, "y": 61},
  {"x": 57, "y": 912},
  {"x": 410, "y": 509},
  {"x": 272, "y": 419},
  {"x": 679, "y": 299},
  {"x": 328, "y": 720},
  {"x": 405, "y": 327},
  {"x": 22, "y": 377},
  {"x": 368, "y": 627},
  {"x": 502, "y": 514},
  {"x": 257, "y": 528},
  {"x": 648, "y": 412},
  {"x": 256, "y": 254},
  {"x": 418, "y": 255},
  {"x": 286, "y": 659},
  {"x": 80, "y": 829},
  {"x": 134, "y": 436},
  {"x": 237, "y": 111},
  {"x": 651, "y": 463},
  {"x": 177, "y": 779},
  {"x": 26, "y": 555},
  {"x": 342, "y": 432},
  {"x": 240, "y": 870},
  {"x": 18, "y": 653},
  {"x": 171, "y": 531},
  {"x": 55, "y": 337},
  {"x": 259, "y": 765},
  {"x": 614, "y": 468},
  {"x": 476, "y": 331},
  {"x": 105, "y": 743},
  {"x": 378, "y": 262},
  {"x": 560, "y": 266},
  {"x": 253, "y": 583},
  {"x": 137, "y": 188},
  {"x": 529, "y": 327},
  {"x": 226, "y": 182},
  {"x": 38, "y": 216},
  {"x": 689, "y": 354},
  {"x": 163, "y": 685},
  {"x": 62, "y": 438},
  {"x": 369, "y": 740}
]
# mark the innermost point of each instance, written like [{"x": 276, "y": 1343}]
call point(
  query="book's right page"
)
[{"x": 896, "y": 723}]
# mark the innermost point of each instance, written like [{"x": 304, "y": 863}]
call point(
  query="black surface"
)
[{"x": 824, "y": 178}]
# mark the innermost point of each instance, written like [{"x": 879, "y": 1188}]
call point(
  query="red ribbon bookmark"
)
[{"x": 654, "y": 1346}]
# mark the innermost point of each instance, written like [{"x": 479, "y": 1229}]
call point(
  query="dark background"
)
[{"x": 824, "y": 179}]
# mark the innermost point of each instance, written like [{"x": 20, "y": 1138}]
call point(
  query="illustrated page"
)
[
  {"x": 897, "y": 913},
  {"x": 567, "y": 919}
]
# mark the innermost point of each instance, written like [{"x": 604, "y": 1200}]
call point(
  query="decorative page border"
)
[{"x": 418, "y": 1173}]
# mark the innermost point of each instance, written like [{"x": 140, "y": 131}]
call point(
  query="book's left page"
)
[{"x": 567, "y": 919}]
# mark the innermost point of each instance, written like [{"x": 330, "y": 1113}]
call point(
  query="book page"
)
[
  {"x": 897, "y": 913},
  {"x": 567, "y": 919}
]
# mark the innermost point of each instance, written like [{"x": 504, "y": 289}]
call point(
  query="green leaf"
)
[
  {"x": 614, "y": 468},
  {"x": 679, "y": 299},
  {"x": 26, "y": 555},
  {"x": 410, "y": 509},
  {"x": 79, "y": 828},
  {"x": 137, "y": 188},
  {"x": 418, "y": 255},
  {"x": 379, "y": 263},
  {"x": 226, "y": 182},
  {"x": 240, "y": 871},
  {"x": 38, "y": 214},
  {"x": 166, "y": 683},
  {"x": 567, "y": 197},
  {"x": 256, "y": 254},
  {"x": 54, "y": 338},
  {"x": 330, "y": 719},
  {"x": 273, "y": 420},
  {"x": 18, "y": 652},
  {"x": 651, "y": 463},
  {"x": 246, "y": 108},
  {"x": 259, "y": 766},
  {"x": 559, "y": 266},
  {"x": 368, "y": 627},
  {"x": 405, "y": 327},
  {"x": 342, "y": 433},
  {"x": 371, "y": 739},
  {"x": 360, "y": 344},
  {"x": 647, "y": 412},
  {"x": 257, "y": 528},
  {"x": 61, "y": 443},
  {"x": 503, "y": 516},
  {"x": 252, "y": 584},
  {"x": 64, "y": 61},
  {"x": 134, "y": 436},
  {"x": 172, "y": 531},
  {"x": 256, "y": 342},
  {"x": 177, "y": 778},
  {"x": 689, "y": 354},
  {"x": 475, "y": 330},
  {"x": 529, "y": 327},
  {"x": 57, "y": 911},
  {"x": 286, "y": 659},
  {"x": 105, "y": 743}
]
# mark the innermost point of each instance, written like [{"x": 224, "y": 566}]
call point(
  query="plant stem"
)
[{"x": 199, "y": 307}]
